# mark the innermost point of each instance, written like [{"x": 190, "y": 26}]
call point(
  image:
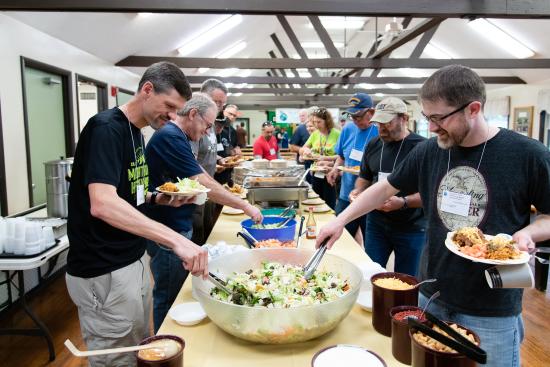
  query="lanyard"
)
[
  {"x": 398, "y": 151},
  {"x": 322, "y": 148},
  {"x": 133, "y": 145},
  {"x": 366, "y": 140}
]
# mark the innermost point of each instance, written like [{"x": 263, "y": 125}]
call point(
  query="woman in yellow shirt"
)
[{"x": 321, "y": 145}]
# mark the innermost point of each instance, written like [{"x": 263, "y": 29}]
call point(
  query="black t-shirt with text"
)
[
  {"x": 411, "y": 219},
  {"x": 513, "y": 175},
  {"x": 228, "y": 139},
  {"x": 105, "y": 154}
]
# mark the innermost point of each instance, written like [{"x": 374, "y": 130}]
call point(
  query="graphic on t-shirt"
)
[
  {"x": 464, "y": 180},
  {"x": 138, "y": 174}
]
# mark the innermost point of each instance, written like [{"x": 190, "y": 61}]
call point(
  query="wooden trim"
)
[
  {"x": 3, "y": 189},
  {"x": 66, "y": 81}
]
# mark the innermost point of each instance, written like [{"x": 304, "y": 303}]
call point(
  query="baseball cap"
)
[
  {"x": 358, "y": 102},
  {"x": 387, "y": 109}
]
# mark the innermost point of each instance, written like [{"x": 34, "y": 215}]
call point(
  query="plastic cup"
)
[
  {"x": 19, "y": 237},
  {"x": 49, "y": 237},
  {"x": 32, "y": 234},
  {"x": 3, "y": 234}
]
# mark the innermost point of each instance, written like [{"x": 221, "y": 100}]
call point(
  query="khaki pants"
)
[{"x": 113, "y": 310}]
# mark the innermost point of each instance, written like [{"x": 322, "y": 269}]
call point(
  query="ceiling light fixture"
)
[
  {"x": 379, "y": 94},
  {"x": 210, "y": 34},
  {"x": 501, "y": 38}
]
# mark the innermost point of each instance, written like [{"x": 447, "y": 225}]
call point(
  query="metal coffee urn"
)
[{"x": 58, "y": 175}]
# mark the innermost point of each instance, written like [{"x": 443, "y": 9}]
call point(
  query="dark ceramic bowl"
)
[{"x": 174, "y": 361}]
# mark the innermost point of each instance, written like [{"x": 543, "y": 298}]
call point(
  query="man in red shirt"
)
[{"x": 265, "y": 145}]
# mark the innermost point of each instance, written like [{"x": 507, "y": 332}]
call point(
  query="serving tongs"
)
[
  {"x": 287, "y": 210},
  {"x": 218, "y": 282},
  {"x": 248, "y": 238},
  {"x": 313, "y": 263},
  {"x": 299, "y": 236},
  {"x": 303, "y": 177},
  {"x": 456, "y": 340}
]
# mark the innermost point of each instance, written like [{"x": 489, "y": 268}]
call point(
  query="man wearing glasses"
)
[
  {"x": 265, "y": 146},
  {"x": 350, "y": 149},
  {"x": 470, "y": 175},
  {"x": 170, "y": 157}
]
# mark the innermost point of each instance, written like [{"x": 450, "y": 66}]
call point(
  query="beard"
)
[{"x": 447, "y": 140}]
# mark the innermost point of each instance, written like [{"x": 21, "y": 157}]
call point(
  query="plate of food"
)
[
  {"x": 312, "y": 195},
  {"x": 312, "y": 157},
  {"x": 316, "y": 168},
  {"x": 236, "y": 189},
  {"x": 354, "y": 170},
  {"x": 233, "y": 161},
  {"x": 472, "y": 244},
  {"x": 232, "y": 211},
  {"x": 184, "y": 187},
  {"x": 315, "y": 201},
  {"x": 324, "y": 208}
]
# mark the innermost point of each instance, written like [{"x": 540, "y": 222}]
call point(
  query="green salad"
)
[
  {"x": 267, "y": 226},
  {"x": 278, "y": 285},
  {"x": 187, "y": 184}
]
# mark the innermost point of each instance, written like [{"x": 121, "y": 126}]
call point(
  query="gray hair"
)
[
  {"x": 166, "y": 76},
  {"x": 200, "y": 102},
  {"x": 232, "y": 106},
  {"x": 210, "y": 85},
  {"x": 311, "y": 110},
  {"x": 456, "y": 85}
]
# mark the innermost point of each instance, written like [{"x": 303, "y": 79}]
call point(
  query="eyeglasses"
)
[
  {"x": 208, "y": 124},
  {"x": 267, "y": 123},
  {"x": 358, "y": 116},
  {"x": 438, "y": 120}
]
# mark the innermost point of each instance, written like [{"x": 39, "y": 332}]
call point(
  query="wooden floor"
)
[{"x": 55, "y": 308}]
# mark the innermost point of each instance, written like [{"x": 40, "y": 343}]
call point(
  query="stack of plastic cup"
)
[
  {"x": 10, "y": 233},
  {"x": 48, "y": 237},
  {"x": 19, "y": 237},
  {"x": 33, "y": 234}
]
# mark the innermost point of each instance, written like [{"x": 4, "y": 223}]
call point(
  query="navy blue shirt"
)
[
  {"x": 169, "y": 156},
  {"x": 299, "y": 137}
]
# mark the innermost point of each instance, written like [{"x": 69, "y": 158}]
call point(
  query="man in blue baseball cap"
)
[{"x": 350, "y": 148}]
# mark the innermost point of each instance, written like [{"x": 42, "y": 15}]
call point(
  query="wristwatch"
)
[{"x": 405, "y": 203}]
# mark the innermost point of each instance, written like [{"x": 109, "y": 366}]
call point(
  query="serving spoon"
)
[
  {"x": 425, "y": 281},
  {"x": 167, "y": 348}
]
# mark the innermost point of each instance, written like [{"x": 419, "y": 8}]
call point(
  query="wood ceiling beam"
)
[
  {"x": 335, "y": 63},
  {"x": 319, "y": 91},
  {"x": 282, "y": 50},
  {"x": 415, "y": 8},
  {"x": 324, "y": 36},
  {"x": 197, "y": 79},
  {"x": 294, "y": 40}
]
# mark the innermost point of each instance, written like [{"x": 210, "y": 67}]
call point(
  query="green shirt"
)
[{"x": 320, "y": 144}]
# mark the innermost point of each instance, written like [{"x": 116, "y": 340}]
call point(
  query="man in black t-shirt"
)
[
  {"x": 106, "y": 274},
  {"x": 399, "y": 224},
  {"x": 471, "y": 175}
]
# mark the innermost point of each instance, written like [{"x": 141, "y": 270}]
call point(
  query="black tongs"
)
[
  {"x": 457, "y": 341},
  {"x": 248, "y": 238},
  {"x": 313, "y": 263}
]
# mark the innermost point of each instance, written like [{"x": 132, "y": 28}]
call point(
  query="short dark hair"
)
[
  {"x": 166, "y": 76},
  {"x": 456, "y": 85},
  {"x": 210, "y": 85}
]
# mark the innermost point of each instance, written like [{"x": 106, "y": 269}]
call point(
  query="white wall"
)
[
  {"x": 86, "y": 107},
  {"x": 256, "y": 120},
  {"x": 16, "y": 40}
]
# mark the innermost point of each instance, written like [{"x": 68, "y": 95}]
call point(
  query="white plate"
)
[
  {"x": 184, "y": 193},
  {"x": 349, "y": 170},
  {"x": 319, "y": 169},
  {"x": 452, "y": 246},
  {"x": 231, "y": 211},
  {"x": 187, "y": 314},
  {"x": 321, "y": 208},
  {"x": 316, "y": 201},
  {"x": 312, "y": 195},
  {"x": 365, "y": 300}
]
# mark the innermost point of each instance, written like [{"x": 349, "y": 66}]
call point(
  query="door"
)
[
  {"x": 123, "y": 96},
  {"x": 46, "y": 105},
  {"x": 91, "y": 99}
]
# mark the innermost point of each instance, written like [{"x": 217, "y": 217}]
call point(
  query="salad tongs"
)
[
  {"x": 313, "y": 263},
  {"x": 218, "y": 282}
]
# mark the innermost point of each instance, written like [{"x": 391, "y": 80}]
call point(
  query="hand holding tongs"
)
[
  {"x": 456, "y": 340},
  {"x": 313, "y": 263}
]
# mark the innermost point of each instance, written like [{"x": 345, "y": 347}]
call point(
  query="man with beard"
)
[
  {"x": 170, "y": 157},
  {"x": 106, "y": 274},
  {"x": 399, "y": 224},
  {"x": 470, "y": 175}
]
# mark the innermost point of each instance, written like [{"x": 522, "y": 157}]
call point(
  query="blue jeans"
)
[
  {"x": 381, "y": 238},
  {"x": 500, "y": 336},
  {"x": 354, "y": 225},
  {"x": 169, "y": 275}
]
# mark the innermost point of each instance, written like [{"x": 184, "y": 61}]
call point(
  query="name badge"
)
[
  {"x": 140, "y": 195},
  {"x": 272, "y": 151},
  {"x": 319, "y": 174},
  {"x": 356, "y": 155},
  {"x": 220, "y": 147},
  {"x": 383, "y": 176},
  {"x": 456, "y": 203}
]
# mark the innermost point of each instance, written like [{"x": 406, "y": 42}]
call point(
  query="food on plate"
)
[
  {"x": 168, "y": 187},
  {"x": 275, "y": 243},
  {"x": 236, "y": 189},
  {"x": 431, "y": 343},
  {"x": 276, "y": 285},
  {"x": 472, "y": 242},
  {"x": 232, "y": 160},
  {"x": 393, "y": 283}
]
